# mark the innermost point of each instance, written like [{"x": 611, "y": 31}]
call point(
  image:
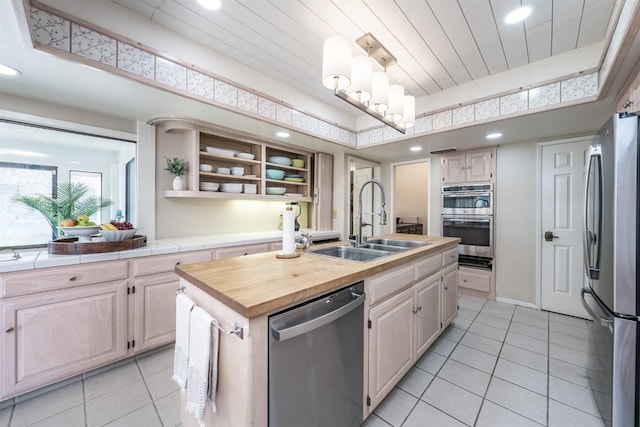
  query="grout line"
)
[
  {"x": 84, "y": 402},
  {"x": 548, "y": 365},
  {"x": 146, "y": 385}
]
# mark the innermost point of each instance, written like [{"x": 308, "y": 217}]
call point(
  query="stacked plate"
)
[
  {"x": 220, "y": 151},
  {"x": 247, "y": 156},
  {"x": 276, "y": 191},
  {"x": 294, "y": 178},
  {"x": 231, "y": 188}
]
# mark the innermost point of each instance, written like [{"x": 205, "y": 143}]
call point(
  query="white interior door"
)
[{"x": 562, "y": 272}]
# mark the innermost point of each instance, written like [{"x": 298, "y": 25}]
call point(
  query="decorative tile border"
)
[{"x": 51, "y": 31}]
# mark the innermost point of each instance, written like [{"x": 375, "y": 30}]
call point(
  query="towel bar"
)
[{"x": 237, "y": 329}]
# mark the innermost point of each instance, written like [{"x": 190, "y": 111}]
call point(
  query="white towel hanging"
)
[{"x": 180, "y": 357}]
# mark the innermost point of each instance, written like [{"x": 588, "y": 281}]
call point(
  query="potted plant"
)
[
  {"x": 71, "y": 201},
  {"x": 177, "y": 167}
]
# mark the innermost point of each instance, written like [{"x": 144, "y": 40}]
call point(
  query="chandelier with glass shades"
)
[{"x": 354, "y": 80}]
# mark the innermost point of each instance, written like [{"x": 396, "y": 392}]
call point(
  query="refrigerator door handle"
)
[{"x": 604, "y": 319}]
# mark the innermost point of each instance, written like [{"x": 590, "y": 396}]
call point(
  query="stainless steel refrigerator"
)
[{"x": 611, "y": 260}]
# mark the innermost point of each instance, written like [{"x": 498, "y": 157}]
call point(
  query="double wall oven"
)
[{"x": 467, "y": 213}]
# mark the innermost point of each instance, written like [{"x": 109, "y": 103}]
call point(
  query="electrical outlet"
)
[{"x": 335, "y": 214}]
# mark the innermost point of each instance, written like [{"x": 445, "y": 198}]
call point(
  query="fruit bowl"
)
[
  {"x": 118, "y": 235},
  {"x": 79, "y": 231}
]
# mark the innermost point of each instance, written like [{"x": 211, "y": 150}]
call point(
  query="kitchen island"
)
[{"x": 242, "y": 292}]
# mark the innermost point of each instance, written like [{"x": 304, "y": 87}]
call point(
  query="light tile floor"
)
[{"x": 496, "y": 365}]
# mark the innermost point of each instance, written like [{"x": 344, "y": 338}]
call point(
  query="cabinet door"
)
[
  {"x": 427, "y": 301},
  {"x": 479, "y": 166},
  {"x": 449, "y": 294},
  {"x": 241, "y": 250},
  {"x": 390, "y": 344},
  {"x": 60, "y": 334},
  {"x": 155, "y": 311},
  {"x": 453, "y": 169}
]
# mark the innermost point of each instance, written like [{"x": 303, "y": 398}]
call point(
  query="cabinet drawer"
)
[
  {"x": 241, "y": 250},
  {"x": 386, "y": 284},
  {"x": 450, "y": 256},
  {"x": 48, "y": 279},
  {"x": 473, "y": 279},
  {"x": 166, "y": 263},
  {"x": 427, "y": 266}
]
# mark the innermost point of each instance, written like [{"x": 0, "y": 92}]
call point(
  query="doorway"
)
[
  {"x": 561, "y": 201},
  {"x": 411, "y": 197},
  {"x": 360, "y": 171}
]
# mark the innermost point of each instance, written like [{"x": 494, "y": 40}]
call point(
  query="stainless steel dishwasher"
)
[{"x": 315, "y": 362}]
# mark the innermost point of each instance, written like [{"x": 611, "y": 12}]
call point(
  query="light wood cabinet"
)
[
  {"x": 407, "y": 309},
  {"x": 232, "y": 251},
  {"x": 58, "y": 334},
  {"x": 478, "y": 282},
  {"x": 391, "y": 344},
  {"x": 449, "y": 294},
  {"x": 153, "y": 298},
  {"x": 427, "y": 299},
  {"x": 220, "y": 149},
  {"x": 472, "y": 166}
]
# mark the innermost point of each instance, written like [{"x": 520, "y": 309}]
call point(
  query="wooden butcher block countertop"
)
[{"x": 254, "y": 285}]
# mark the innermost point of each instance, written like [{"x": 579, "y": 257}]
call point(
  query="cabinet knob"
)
[
  {"x": 72, "y": 278},
  {"x": 178, "y": 263},
  {"x": 419, "y": 307},
  {"x": 415, "y": 311},
  {"x": 8, "y": 330},
  {"x": 446, "y": 287}
]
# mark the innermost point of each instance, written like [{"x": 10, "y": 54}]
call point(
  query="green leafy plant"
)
[
  {"x": 71, "y": 201},
  {"x": 176, "y": 166}
]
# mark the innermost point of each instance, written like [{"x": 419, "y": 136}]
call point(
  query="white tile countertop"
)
[{"x": 41, "y": 258}]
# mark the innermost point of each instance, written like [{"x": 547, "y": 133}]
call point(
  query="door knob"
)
[{"x": 548, "y": 236}]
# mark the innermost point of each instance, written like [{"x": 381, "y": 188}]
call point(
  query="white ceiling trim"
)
[{"x": 88, "y": 44}]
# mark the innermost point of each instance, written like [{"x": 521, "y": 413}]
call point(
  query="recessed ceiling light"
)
[
  {"x": 283, "y": 134},
  {"x": 211, "y": 4},
  {"x": 493, "y": 135},
  {"x": 5, "y": 70},
  {"x": 416, "y": 148},
  {"x": 518, "y": 15}
]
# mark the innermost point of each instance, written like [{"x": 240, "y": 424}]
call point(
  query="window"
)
[{"x": 36, "y": 160}]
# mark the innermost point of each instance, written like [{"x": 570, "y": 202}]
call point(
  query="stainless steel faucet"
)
[{"x": 383, "y": 214}]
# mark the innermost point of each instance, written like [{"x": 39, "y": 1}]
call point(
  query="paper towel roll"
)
[{"x": 288, "y": 232}]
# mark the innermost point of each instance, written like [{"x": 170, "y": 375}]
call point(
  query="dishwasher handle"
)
[{"x": 304, "y": 327}]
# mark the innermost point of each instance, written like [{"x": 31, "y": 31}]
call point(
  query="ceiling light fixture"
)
[
  {"x": 353, "y": 80},
  {"x": 283, "y": 134},
  {"x": 517, "y": 15},
  {"x": 493, "y": 135},
  {"x": 211, "y": 4},
  {"x": 416, "y": 148},
  {"x": 6, "y": 70}
]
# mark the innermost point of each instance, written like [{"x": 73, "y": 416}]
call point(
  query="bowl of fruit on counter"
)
[
  {"x": 116, "y": 231},
  {"x": 80, "y": 227}
]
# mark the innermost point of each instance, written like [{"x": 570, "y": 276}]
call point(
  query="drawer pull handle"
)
[
  {"x": 446, "y": 287},
  {"x": 72, "y": 278},
  {"x": 8, "y": 330},
  {"x": 419, "y": 307},
  {"x": 415, "y": 311}
]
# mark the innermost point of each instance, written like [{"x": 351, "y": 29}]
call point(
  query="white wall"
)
[
  {"x": 515, "y": 221},
  {"x": 411, "y": 183}
]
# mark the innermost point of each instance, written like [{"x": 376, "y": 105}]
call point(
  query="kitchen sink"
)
[
  {"x": 380, "y": 247},
  {"x": 396, "y": 242},
  {"x": 352, "y": 253}
]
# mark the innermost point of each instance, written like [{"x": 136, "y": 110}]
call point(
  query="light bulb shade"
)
[
  {"x": 336, "y": 62},
  {"x": 408, "y": 112},
  {"x": 396, "y": 103},
  {"x": 379, "y": 92},
  {"x": 360, "y": 88}
]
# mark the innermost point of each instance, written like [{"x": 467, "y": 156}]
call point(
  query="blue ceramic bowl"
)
[{"x": 274, "y": 174}]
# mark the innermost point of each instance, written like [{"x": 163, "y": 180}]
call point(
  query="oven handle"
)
[
  {"x": 482, "y": 221},
  {"x": 466, "y": 194}
]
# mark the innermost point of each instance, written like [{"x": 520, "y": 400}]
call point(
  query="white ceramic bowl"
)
[
  {"x": 247, "y": 156},
  {"x": 209, "y": 186},
  {"x": 225, "y": 171},
  {"x": 118, "y": 235},
  {"x": 206, "y": 168},
  {"x": 231, "y": 188},
  {"x": 280, "y": 160},
  {"x": 238, "y": 171},
  {"x": 279, "y": 191},
  {"x": 80, "y": 232}
]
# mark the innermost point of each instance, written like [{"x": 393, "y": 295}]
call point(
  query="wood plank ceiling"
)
[{"x": 438, "y": 44}]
